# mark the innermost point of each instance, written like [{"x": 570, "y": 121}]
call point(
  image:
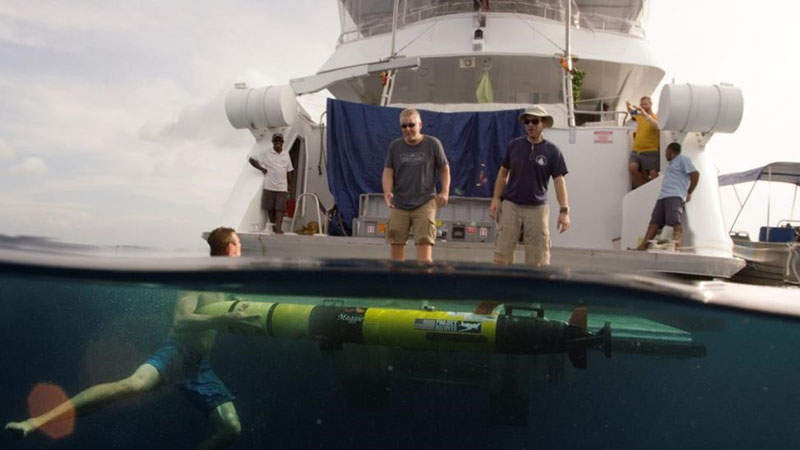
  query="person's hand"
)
[
  {"x": 441, "y": 199},
  {"x": 493, "y": 207},
  {"x": 563, "y": 222},
  {"x": 387, "y": 197},
  {"x": 688, "y": 197},
  {"x": 240, "y": 322},
  {"x": 241, "y": 316}
]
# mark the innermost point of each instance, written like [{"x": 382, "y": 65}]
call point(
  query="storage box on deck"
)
[
  {"x": 776, "y": 234},
  {"x": 463, "y": 219}
]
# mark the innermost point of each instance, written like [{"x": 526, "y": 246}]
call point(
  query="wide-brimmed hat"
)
[
  {"x": 537, "y": 111},
  {"x": 276, "y": 137}
]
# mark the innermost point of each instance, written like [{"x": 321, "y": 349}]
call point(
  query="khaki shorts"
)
[
  {"x": 532, "y": 221},
  {"x": 423, "y": 219}
]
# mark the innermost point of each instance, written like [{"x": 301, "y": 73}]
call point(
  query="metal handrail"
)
[
  {"x": 597, "y": 113},
  {"x": 602, "y": 114},
  {"x": 322, "y": 226},
  {"x": 596, "y": 99}
]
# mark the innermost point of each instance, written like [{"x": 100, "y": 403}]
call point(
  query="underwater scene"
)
[{"x": 320, "y": 355}]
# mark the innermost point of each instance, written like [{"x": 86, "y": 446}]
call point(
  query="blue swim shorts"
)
[{"x": 192, "y": 373}]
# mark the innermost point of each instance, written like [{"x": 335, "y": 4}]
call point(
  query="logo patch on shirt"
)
[
  {"x": 412, "y": 159},
  {"x": 541, "y": 160}
]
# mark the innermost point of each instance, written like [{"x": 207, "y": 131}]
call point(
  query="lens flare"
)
[{"x": 43, "y": 398}]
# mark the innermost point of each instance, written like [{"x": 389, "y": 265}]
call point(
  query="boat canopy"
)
[{"x": 783, "y": 172}]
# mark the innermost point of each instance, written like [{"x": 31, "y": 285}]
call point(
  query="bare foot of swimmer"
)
[{"x": 19, "y": 430}]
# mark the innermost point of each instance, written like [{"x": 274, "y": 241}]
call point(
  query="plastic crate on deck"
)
[{"x": 462, "y": 219}]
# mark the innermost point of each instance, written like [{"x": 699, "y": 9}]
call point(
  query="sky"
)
[{"x": 112, "y": 121}]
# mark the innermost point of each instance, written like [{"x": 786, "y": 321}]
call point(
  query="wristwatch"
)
[{"x": 564, "y": 210}]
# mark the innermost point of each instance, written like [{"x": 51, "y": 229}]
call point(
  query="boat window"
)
[{"x": 365, "y": 18}]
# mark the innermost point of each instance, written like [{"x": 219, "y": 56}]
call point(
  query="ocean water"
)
[{"x": 680, "y": 374}]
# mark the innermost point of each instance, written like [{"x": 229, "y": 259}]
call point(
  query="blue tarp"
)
[{"x": 358, "y": 136}]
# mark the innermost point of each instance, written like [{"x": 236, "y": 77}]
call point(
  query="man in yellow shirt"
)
[{"x": 645, "y": 159}]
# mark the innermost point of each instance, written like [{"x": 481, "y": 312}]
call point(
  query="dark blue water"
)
[{"x": 77, "y": 328}]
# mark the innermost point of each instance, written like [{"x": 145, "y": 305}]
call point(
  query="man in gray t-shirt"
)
[{"x": 409, "y": 187}]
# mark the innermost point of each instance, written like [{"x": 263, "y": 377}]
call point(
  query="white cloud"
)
[
  {"x": 205, "y": 122},
  {"x": 80, "y": 222},
  {"x": 31, "y": 165},
  {"x": 6, "y": 152},
  {"x": 125, "y": 102},
  {"x": 56, "y": 16},
  {"x": 56, "y": 114},
  {"x": 255, "y": 78}
]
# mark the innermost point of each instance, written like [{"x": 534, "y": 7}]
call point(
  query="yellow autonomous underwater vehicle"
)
[{"x": 505, "y": 333}]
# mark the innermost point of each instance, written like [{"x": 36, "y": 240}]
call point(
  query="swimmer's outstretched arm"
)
[{"x": 186, "y": 318}]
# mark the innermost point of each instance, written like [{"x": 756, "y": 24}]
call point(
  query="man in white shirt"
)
[{"x": 276, "y": 165}]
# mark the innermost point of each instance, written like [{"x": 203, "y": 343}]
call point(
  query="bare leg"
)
[
  {"x": 226, "y": 427},
  {"x": 272, "y": 219},
  {"x": 144, "y": 379},
  {"x": 652, "y": 174},
  {"x": 279, "y": 222},
  {"x": 425, "y": 253},
  {"x": 652, "y": 229},
  {"x": 636, "y": 175},
  {"x": 677, "y": 233},
  {"x": 398, "y": 252}
]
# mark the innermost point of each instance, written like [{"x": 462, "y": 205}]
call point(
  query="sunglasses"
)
[
  {"x": 408, "y": 125},
  {"x": 534, "y": 121}
]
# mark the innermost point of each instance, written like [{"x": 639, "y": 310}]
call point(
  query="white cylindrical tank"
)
[
  {"x": 265, "y": 107},
  {"x": 695, "y": 108}
]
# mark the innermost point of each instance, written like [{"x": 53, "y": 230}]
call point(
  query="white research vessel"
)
[{"x": 433, "y": 55}]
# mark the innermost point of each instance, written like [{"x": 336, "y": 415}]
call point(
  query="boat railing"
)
[
  {"x": 322, "y": 229},
  {"x": 605, "y": 116},
  {"x": 602, "y": 22},
  {"x": 409, "y": 14}
]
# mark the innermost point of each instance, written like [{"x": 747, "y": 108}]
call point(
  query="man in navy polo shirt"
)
[{"x": 522, "y": 182}]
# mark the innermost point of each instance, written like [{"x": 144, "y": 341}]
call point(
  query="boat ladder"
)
[{"x": 322, "y": 228}]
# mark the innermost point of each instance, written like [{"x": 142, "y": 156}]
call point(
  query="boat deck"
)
[{"x": 325, "y": 247}]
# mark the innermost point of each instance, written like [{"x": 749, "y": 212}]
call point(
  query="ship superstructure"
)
[{"x": 582, "y": 60}]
